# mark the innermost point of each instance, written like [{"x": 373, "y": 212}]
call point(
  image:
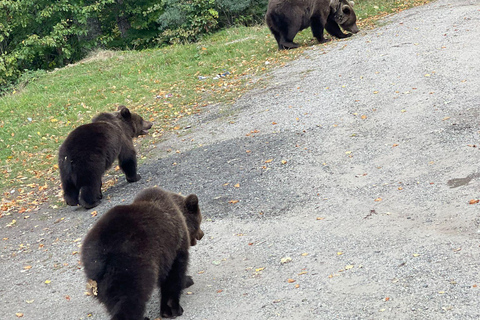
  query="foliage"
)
[
  {"x": 38, "y": 35},
  {"x": 129, "y": 24},
  {"x": 43, "y": 34},
  {"x": 185, "y": 21},
  {"x": 241, "y": 12}
]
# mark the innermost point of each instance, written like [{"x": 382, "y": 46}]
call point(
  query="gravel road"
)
[{"x": 341, "y": 190}]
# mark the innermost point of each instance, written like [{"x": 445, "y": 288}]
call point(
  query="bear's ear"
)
[
  {"x": 124, "y": 112},
  {"x": 191, "y": 202}
]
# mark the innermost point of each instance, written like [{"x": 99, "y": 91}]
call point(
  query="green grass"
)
[{"x": 160, "y": 84}]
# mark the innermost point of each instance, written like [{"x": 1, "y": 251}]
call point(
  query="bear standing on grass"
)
[
  {"x": 133, "y": 247},
  {"x": 90, "y": 150}
]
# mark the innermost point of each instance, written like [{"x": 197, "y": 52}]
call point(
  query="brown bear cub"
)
[
  {"x": 132, "y": 247},
  {"x": 90, "y": 150}
]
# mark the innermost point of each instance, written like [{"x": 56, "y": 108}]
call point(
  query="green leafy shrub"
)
[
  {"x": 241, "y": 12},
  {"x": 187, "y": 21}
]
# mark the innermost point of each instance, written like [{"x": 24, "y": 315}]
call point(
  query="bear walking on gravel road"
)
[
  {"x": 132, "y": 248},
  {"x": 285, "y": 18},
  {"x": 90, "y": 150}
]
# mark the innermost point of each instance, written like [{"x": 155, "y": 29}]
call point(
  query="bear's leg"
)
[
  {"x": 289, "y": 35},
  {"x": 283, "y": 30},
  {"x": 126, "y": 307},
  {"x": 70, "y": 192},
  {"x": 125, "y": 290},
  {"x": 172, "y": 287},
  {"x": 129, "y": 309},
  {"x": 277, "y": 36},
  {"x": 90, "y": 194},
  {"x": 188, "y": 282},
  {"x": 317, "y": 30},
  {"x": 127, "y": 160},
  {"x": 333, "y": 28}
]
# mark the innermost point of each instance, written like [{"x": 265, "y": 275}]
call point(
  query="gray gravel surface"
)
[{"x": 355, "y": 165}]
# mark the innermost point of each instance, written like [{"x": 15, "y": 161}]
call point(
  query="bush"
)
[
  {"x": 187, "y": 21},
  {"x": 241, "y": 12}
]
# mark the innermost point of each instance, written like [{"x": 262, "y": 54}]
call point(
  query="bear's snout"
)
[
  {"x": 198, "y": 236},
  {"x": 146, "y": 125},
  {"x": 353, "y": 29}
]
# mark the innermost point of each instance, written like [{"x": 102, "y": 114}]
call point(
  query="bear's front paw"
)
[
  {"x": 188, "y": 282},
  {"x": 134, "y": 179},
  {"x": 169, "y": 312}
]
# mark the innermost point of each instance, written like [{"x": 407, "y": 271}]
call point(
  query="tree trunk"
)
[{"x": 122, "y": 20}]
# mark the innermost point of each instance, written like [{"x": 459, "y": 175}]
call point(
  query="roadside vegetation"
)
[{"x": 162, "y": 84}]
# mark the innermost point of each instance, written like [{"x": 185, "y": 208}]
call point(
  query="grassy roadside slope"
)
[{"x": 162, "y": 85}]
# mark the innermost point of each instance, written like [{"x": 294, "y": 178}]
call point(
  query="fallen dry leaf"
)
[
  {"x": 291, "y": 280},
  {"x": 473, "y": 201},
  {"x": 92, "y": 287},
  {"x": 285, "y": 260}
]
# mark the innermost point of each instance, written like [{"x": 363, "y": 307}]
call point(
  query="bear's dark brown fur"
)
[
  {"x": 133, "y": 247},
  {"x": 90, "y": 150},
  {"x": 286, "y": 18}
]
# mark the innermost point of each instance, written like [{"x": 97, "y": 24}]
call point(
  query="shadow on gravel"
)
[{"x": 238, "y": 177}]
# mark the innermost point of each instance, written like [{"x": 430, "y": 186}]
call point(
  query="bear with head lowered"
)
[
  {"x": 285, "y": 18},
  {"x": 133, "y": 247},
  {"x": 91, "y": 149}
]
